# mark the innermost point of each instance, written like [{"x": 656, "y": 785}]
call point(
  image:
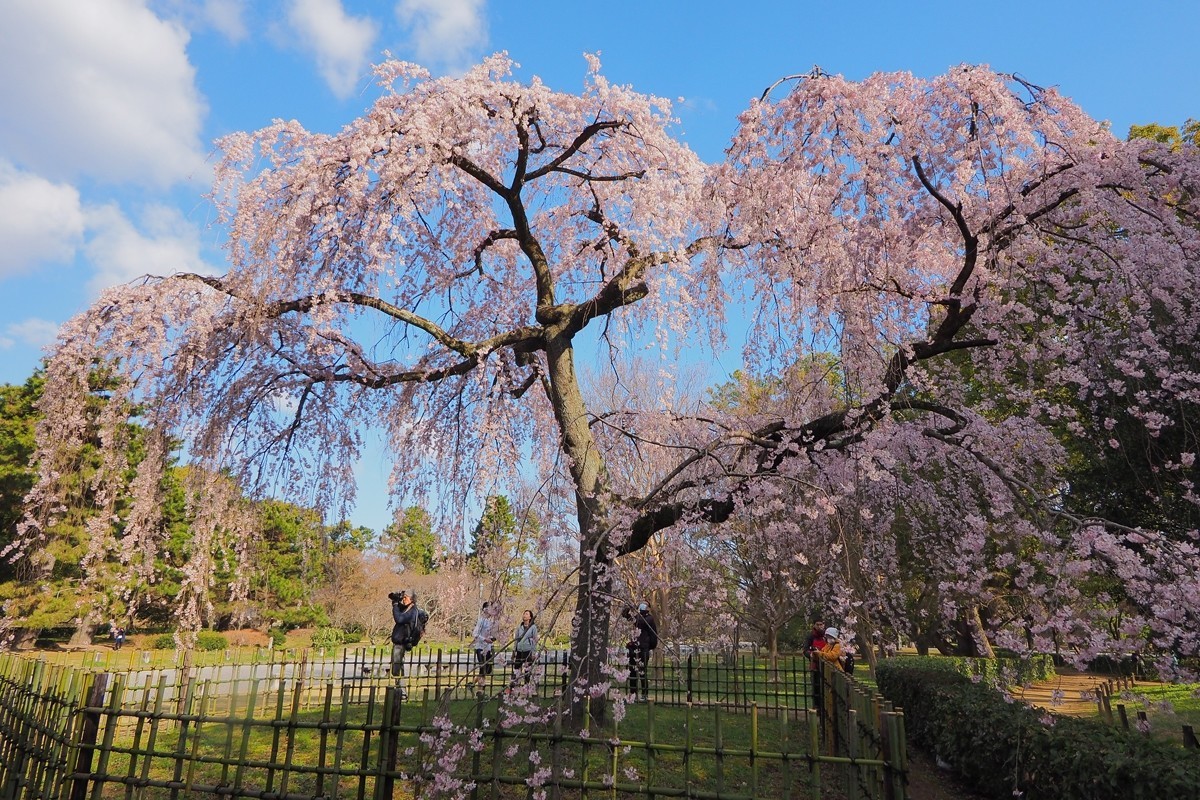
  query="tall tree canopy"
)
[{"x": 434, "y": 265}]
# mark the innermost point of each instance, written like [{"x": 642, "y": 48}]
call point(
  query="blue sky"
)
[{"x": 108, "y": 108}]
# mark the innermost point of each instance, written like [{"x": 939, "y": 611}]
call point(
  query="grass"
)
[
  {"x": 735, "y": 754},
  {"x": 1168, "y": 708}
]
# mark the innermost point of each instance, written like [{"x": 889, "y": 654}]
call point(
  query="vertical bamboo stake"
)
[
  {"x": 814, "y": 753},
  {"x": 229, "y": 728},
  {"x": 290, "y": 737},
  {"x": 139, "y": 727},
  {"x": 754, "y": 749},
  {"x": 338, "y": 748},
  {"x": 853, "y": 770},
  {"x": 785, "y": 749},
  {"x": 388, "y": 752},
  {"x": 247, "y": 727},
  {"x": 365, "y": 756},
  {"x": 720, "y": 748},
  {"x": 323, "y": 739},
  {"x": 687, "y": 749},
  {"x": 87, "y": 738},
  {"x": 184, "y": 705},
  {"x": 193, "y": 758},
  {"x": 650, "y": 744},
  {"x": 110, "y": 729}
]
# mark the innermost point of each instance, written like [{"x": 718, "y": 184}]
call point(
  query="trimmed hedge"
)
[
  {"x": 1000, "y": 748},
  {"x": 205, "y": 640},
  {"x": 1007, "y": 671}
]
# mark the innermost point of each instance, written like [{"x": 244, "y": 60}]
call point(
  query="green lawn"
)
[
  {"x": 732, "y": 753},
  {"x": 1168, "y": 708}
]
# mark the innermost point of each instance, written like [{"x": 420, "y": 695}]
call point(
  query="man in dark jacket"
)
[
  {"x": 814, "y": 642},
  {"x": 644, "y": 641},
  {"x": 405, "y": 614}
]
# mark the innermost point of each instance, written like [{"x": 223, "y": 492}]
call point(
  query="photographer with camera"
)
[{"x": 407, "y": 618}]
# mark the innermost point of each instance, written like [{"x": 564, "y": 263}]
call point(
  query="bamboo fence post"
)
[{"x": 87, "y": 738}]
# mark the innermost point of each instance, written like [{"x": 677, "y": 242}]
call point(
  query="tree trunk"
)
[
  {"x": 773, "y": 650},
  {"x": 983, "y": 647},
  {"x": 82, "y": 637},
  {"x": 18, "y": 638},
  {"x": 586, "y": 694},
  {"x": 586, "y": 690},
  {"x": 869, "y": 652},
  {"x": 971, "y": 636}
]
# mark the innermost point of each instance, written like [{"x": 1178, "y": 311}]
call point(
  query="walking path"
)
[{"x": 1071, "y": 693}]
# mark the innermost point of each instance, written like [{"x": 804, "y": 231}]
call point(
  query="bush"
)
[
  {"x": 1001, "y": 748},
  {"x": 351, "y": 637},
  {"x": 278, "y": 637},
  {"x": 1008, "y": 671},
  {"x": 324, "y": 638},
  {"x": 205, "y": 640},
  {"x": 211, "y": 640}
]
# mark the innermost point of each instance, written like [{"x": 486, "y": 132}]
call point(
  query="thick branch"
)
[{"x": 584, "y": 136}]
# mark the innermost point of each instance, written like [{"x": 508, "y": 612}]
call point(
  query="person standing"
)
[
  {"x": 832, "y": 651},
  {"x": 645, "y": 640},
  {"x": 814, "y": 642},
  {"x": 405, "y": 616},
  {"x": 483, "y": 639},
  {"x": 524, "y": 646}
]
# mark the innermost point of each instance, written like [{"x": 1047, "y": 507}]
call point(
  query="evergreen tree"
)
[
  {"x": 412, "y": 541},
  {"x": 501, "y": 543}
]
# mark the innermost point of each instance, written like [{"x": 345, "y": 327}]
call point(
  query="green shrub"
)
[
  {"x": 1008, "y": 671},
  {"x": 205, "y": 640},
  {"x": 1001, "y": 748},
  {"x": 351, "y": 637},
  {"x": 278, "y": 637},
  {"x": 324, "y": 638},
  {"x": 211, "y": 640}
]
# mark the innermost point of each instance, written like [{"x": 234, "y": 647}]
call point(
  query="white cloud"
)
[
  {"x": 227, "y": 17},
  {"x": 444, "y": 32},
  {"x": 341, "y": 43},
  {"x": 32, "y": 332},
  {"x": 119, "y": 252},
  {"x": 105, "y": 90},
  {"x": 40, "y": 221}
]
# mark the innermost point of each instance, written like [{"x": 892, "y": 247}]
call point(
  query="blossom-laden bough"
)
[{"x": 979, "y": 262}]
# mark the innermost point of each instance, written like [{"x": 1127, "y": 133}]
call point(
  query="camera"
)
[{"x": 396, "y": 597}]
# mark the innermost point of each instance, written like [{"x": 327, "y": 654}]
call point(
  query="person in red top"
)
[{"x": 814, "y": 643}]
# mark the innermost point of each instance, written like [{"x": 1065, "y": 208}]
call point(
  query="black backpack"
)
[{"x": 416, "y": 631}]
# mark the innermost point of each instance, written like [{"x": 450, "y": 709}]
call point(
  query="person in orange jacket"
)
[{"x": 832, "y": 651}]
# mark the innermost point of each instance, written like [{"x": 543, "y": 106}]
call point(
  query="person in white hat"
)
[{"x": 832, "y": 651}]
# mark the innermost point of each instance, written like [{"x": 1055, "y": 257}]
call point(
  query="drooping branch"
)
[{"x": 470, "y": 350}]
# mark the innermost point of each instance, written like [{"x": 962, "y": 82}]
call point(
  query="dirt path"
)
[{"x": 1072, "y": 694}]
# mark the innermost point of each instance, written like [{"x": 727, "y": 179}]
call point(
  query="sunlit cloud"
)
[
  {"x": 340, "y": 43},
  {"x": 163, "y": 243},
  {"x": 447, "y": 33},
  {"x": 105, "y": 91},
  {"x": 32, "y": 332},
  {"x": 40, "y": 221}
]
